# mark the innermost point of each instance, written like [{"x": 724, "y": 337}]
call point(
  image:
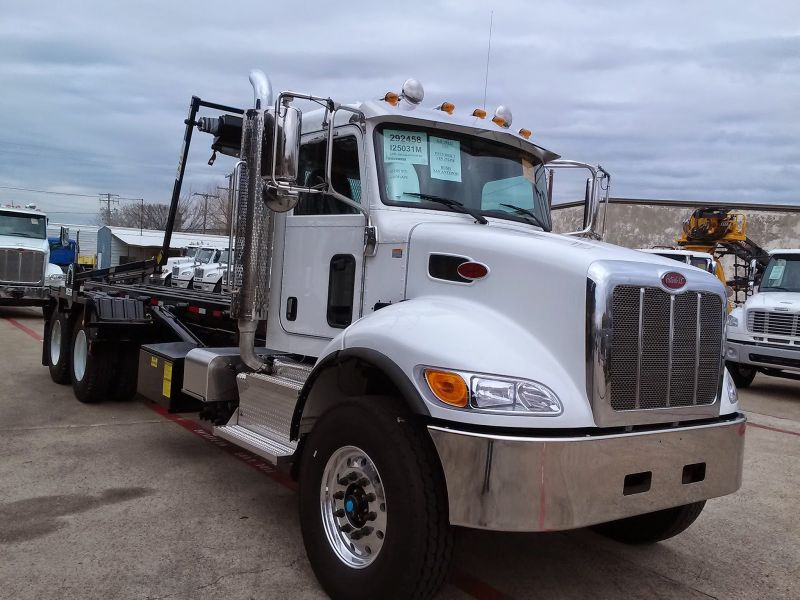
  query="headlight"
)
[
  {"x": 733, "y": 395},
  {"x": 490, "y": 394},
  {"x": 733, "y": 321}
]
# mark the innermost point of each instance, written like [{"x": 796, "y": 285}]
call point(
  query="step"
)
[
  {"x": 267, "y": 404},
  {"x": 273, "y": 451},
  {"x": 291, "y": 369}
]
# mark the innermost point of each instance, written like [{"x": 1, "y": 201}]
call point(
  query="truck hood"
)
[
  {"x": 16, "y": 241},
  {"x": 789, "y": 301},
  {"x": 538, "y": 282}
]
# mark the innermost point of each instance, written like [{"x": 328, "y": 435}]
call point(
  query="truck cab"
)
[
  {"x": 25, "y": 269},
  {"x": 183, "y": 272},
  {"x": 210, "y": 277},
  {"x": 764, "y": 334}
]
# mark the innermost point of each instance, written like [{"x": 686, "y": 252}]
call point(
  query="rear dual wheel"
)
[
  {"x": 99, "y": 369},
  {"x": 58, "y": 347}
]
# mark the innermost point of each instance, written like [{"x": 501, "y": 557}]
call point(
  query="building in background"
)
[{"x": 120, "y": 245}]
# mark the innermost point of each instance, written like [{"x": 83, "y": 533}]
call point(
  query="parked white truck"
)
[
  {"x": 211, "y": 277},
  {"x": 764, "y": 334},
  {"x": 25, "y": 270},
  {"x": 183, "y": 273},
  {"x": 408, "y": 339}
]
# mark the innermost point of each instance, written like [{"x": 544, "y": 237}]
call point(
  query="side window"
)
[
  {"x": 345, "y": 177},
  {"x": 341, "y": 287}
]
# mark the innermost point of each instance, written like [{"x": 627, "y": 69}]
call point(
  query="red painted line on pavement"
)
[
  {"x": 751, "y": 424},
  {"x": 460, "y": 579},
  {"x": 24, "y": 329}
]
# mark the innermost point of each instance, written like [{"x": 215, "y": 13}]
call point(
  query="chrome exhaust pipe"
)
[{"x": 253, "y": 252}]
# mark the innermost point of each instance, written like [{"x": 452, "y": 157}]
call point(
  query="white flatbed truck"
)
[{"x": 406, "y": 337}]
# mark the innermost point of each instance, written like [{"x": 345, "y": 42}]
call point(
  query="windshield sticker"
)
[
  {"x": 777, "y": 272},
  {"x": 401, "y": 179},
  {"x": 528, "y": 170},
  {"x": 445, "y": 159},
  {"x": 400, "y": 145}
]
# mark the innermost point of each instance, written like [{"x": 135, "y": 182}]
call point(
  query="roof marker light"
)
[
  {"x": 479, "y": 112},
  {"x": 447, "y": 107},
  {"x": 526, "y": 133},
  {"x": 392, "y": 98},
  {"x": 502, "y": 116}
]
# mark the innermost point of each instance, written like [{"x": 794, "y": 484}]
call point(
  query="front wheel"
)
[
  {"x": 373, "y": 504},
  {"x": 652, "y": 527},
  {"x": 742, "y": 375}
]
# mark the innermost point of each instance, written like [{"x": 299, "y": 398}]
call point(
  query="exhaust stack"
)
[{"x": 254, "y": 227}]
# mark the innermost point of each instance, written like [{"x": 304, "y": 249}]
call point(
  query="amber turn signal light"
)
[
  {"x": 479, "y": 112},
  {"x": 448, "y": 387}
]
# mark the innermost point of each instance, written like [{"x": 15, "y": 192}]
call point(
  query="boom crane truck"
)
[{"x": 406, "y": 337}]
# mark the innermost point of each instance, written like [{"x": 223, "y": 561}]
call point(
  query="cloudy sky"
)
[{"x": 686, "y": 100}]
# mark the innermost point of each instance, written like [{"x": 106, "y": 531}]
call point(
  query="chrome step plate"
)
[{"x": 273, "y": 451}]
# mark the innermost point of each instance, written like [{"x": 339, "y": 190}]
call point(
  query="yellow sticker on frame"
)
[{"x": 166, "y": 384}]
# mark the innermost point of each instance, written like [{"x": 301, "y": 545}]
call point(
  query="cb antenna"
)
[{"x": 488, "y": 54}]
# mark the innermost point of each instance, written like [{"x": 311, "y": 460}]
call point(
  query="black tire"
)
[
  {"x": 414, "y": 559},
  {"x": 168, "y": 280},
  {"x": 742, "y": 375},
  {"x": 58, "y": 350},
  {"x": 652, "y": 527},
  {"x": 93, "y": 385},
  {"x": 218, "y": 287},
  {"x": 123, "y": 386}
]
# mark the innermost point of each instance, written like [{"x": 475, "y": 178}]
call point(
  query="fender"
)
[
  {"x": 373, "y": 359},
  {"x": 459, "y": 334}
]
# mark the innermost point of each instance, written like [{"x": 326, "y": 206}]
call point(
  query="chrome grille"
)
[
  {"x": 21, "y": 266},
  {"x": 665, "y": 349},
  {"x": 176, "y": 271},
  {"x": 773, "y": 323}
]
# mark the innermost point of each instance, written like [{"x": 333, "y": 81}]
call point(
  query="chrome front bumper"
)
[
  {"x": 772, "y": 356},
  {"x": 23, "y": 293},
  {"x": 508, "y": 483}
]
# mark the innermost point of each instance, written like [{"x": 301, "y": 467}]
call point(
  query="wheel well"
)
[{"x": 349, "y": 373}]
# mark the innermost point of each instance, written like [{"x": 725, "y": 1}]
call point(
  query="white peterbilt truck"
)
[
  {"x": 25, "y": 270},
  {"x": 410, "y": 341},
  {"x": 764, "y": 334}
]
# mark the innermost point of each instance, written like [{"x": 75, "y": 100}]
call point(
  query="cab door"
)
[{"x": 324, "y": 243}]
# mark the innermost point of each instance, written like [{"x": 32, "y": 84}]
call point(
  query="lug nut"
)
[
  {"x": 346, "y": 528},
  {"x": 356, "y": 535},
  {"x": 371, "y": 516},
  {"x": 366, "y": 530},
  {"x": 363, "y": 482},
  {"x": 340, "y": 513},
  {"x": 338, "y": 495},
  {"x": 370, "y": 497}
]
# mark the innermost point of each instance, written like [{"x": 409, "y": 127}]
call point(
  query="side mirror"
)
[
  {"x": 64, "y": 237},
  {"x": 588, "y": 199},
  {"x": 288, "y": 130}
]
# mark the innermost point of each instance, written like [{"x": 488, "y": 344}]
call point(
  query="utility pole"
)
[
  {"x": 141, "y": 215},
  {"x": 205, "y": 206},
  {"x": 108, "y": 199}
]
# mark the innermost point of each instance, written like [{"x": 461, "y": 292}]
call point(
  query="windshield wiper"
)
[
  {"x": 452, "y": 204},
  {"x": 775, "y": 287},
  {"x": 526, "y": 211}
]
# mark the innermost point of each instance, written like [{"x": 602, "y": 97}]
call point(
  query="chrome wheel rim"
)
[
  {"x": 79, "y": 355},
  {"x": 55, "y": 342},
  {"x": 353, "y": 507}
]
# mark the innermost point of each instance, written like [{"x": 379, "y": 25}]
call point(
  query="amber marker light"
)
[
  {"x": 526, "y": 133},
  {"x": 447, "y": 107},
  {"x": 448, "y": 387},
  {"x": 392, "y": 98},
  {"x": 479, "y": 112}
]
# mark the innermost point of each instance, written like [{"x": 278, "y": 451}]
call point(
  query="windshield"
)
[
  {"x": 782, "y": 274},
  {"x": 416, "y": 165},
  {"x": 190, "y": 253},
  {"x": 30, "y": 226},
  {"x": 205, "y": 255},
  {"x": 223, "y": 257}
]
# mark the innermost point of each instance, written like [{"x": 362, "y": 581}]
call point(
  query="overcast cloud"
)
[{"x": 685, "y": 100}]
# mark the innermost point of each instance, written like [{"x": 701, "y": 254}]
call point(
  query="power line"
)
[{"x": 21, "y": 189}]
